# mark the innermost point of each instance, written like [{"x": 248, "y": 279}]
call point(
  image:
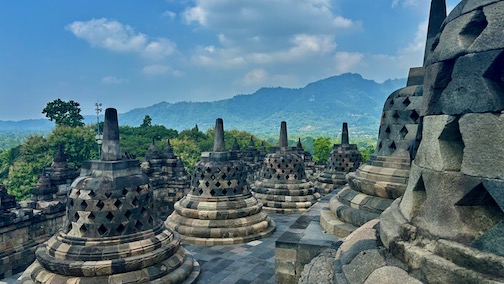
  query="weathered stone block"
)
[
  {"x": 441, "y": 147},
  {"x": 483, "y": 136}
]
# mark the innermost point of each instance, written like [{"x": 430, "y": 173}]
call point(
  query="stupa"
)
[
  {"x": 112, "y": 233},
  {"x": 283, "y": 186},
  {"x": 219, "y": 208},
  {"x": 374, "y": 185},
  {"x": 168, "y": 176},
  {"x": 343, "y": 158}
]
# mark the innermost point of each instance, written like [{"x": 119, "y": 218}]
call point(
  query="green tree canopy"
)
[
  {"x": 322, "y": 146},
  {"x": 147, "y": 121},
  {"x": 64, "y": 113}
]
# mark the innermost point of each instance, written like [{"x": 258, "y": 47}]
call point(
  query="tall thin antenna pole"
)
[{"x": 98, "y": 110}]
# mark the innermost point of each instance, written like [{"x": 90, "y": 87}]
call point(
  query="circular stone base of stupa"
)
[
  {"x": 220, "y": 220},
  {"x": 150, "y": 256},
  {"x": 286, "y": 198}
]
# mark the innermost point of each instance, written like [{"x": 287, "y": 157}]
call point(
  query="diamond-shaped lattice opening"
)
[
  {"x": 124, "y": 191},
  {"x": 83, "y": 205},
  {"x": 229, "y": 183},
  {"x": 100, "y": 204},
  {"x": 403, "y": 132},
  {"x": 224, "y": 176},
  {"x": 77, "y": 192},
  {"x": 212, "y": 177},
  {"x": 217, "y": 184},
  {"x": 69, "y": 228},
  {"x": 478, "y": 196},
  {"x": 224, "y": 191},
  {"x": 380, "y": 145},
  {"x": 83, "y": 229},
  {"x": 287, "y": 177},
  {"x": 202, "y": 176},
  {"x": 139, "y": 225},
  {"x": 110, "y": 216},
  {"x": 207, "y": 183},
  {"x": 295, "y": 176},
  {"x": 118, "y": 204},
  {"x": 391, "y": 102},
  {"x": 396, "y": 115},
  {"x": 143, "y": 211},
  {"x": 138, "y": 189},
  {"x": 71, "y": 202},
  {"x": 392, "y": 146},
  {"x": 92, "y": 193},
  {"x": 474, "y": 28},
  {"x": 128, "y": 214},
  {"x": 414, "y": 116},
  {"x": 108, "y": 194},
  {"x": 76, "y": 216},
  {"x": 102, "y": 230},
  {"x": 406, "y": 102},
  {"x": 91, "y": 216},
  {"x": 212, "y": 192},
  {"x": 120, "y": 229},
  {"x": 235, "y": 190},
  {"x": 208, "y": 170},
  {"x": 134, "y": 202},
  {"x": 200, "y": 191}
]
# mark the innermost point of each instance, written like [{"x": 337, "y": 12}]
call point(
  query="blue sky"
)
[{"x": 127, "y": 54}]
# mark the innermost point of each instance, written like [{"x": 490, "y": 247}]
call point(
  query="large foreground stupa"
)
[
  {"x": 112, "y": 233},
  {"x": 449, "y": 225}
]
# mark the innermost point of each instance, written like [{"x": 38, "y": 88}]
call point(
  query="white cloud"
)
[
  {"x": 195, "y": 14},
  {"x": 158, "y": 69},
  {"x": 341, "y": 22},
  {"x": 170, "y": 14},
  {"x": 265, "y": 31},
  {"x": 115, "y": 36},
  {"x": 255, "y": 77},
  {"x": 112, "y": 80},
  {"x": 347, "y": 61}
]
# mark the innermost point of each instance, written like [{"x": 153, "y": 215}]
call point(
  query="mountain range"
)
[{"x": 317, "y": 109}]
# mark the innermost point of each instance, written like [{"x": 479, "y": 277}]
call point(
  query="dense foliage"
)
[
  {"x": 64, "y": 113},
  {"x": 21, "y": 165}
]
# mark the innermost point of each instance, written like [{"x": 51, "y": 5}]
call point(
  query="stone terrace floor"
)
[{"x": 253, "y": 262}]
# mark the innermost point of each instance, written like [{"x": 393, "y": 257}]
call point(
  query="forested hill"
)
[{"x": 318, "y": 108}]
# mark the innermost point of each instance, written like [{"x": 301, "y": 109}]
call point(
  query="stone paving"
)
[{"x": 252, "y": 262}]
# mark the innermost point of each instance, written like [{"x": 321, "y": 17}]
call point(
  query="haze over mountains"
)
[{"x": 318, "y": 108}]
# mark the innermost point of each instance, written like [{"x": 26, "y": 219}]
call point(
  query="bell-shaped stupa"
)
[
  {"x": 343, "y": 158},
  {"x": 112, "y": 233},
  {"x": 283, "y": 186},
  {"x": 219, "y": 208}
]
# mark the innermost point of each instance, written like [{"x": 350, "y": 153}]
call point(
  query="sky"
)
[{"x": 130, "y": 53}]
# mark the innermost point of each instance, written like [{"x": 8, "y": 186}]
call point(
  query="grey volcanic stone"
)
[
  {"x": 390, "y": 275},
  {"x": 320, "y": 268},
  {"x": 483, "y": 136}
]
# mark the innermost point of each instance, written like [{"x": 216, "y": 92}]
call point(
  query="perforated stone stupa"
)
[
  {"x": 112, "y": 233},
  {"x": 343, "y": 158},
  {"x": 374, "y": 185},
  {"x": 220, "y": 209},
  {"x": 449, "y": 225},
  {"x": 168, "y": 176},
  {"x": 283, "y": 186}
]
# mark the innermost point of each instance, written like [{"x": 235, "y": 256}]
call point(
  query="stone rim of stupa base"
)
[
  {"x": 186, "y": 272},
  {"x": 220, "y": 220}
]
